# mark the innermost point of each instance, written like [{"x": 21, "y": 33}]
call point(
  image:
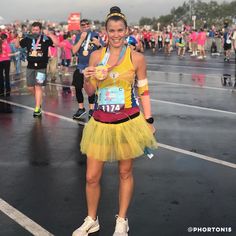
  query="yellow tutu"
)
[{"x": 114, "y": 142}]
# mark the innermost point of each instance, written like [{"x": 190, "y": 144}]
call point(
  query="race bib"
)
[
  {"x": 40, "y": 77},
  {"x": 111, "y": 99}
]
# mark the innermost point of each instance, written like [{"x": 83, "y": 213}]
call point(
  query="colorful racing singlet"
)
[{"x": 117, "y": 91}]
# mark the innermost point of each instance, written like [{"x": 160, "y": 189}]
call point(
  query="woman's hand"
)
[
  {"x": 89, "y": 71},
  {"x": 153, "y": 129}
]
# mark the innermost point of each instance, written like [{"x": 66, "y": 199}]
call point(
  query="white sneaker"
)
[
  {"x": 200, "y": 57},
  {"x": 122, "y": 227},
  {"x": 89, "y": 226},
  {"x": 193, "y": 55}
]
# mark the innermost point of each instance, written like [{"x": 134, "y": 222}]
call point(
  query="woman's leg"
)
[
  {"x": 126, "y": 186},
  {"x": 93, "y": 189}
]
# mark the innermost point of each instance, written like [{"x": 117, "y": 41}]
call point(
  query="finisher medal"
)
[
  {"x": 34, "y": 53},
  {"x": 85, "y": 53},
  {"x": 101, "y": 72}
]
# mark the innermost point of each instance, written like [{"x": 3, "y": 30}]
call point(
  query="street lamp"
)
[{"x": 190, "y": 9}]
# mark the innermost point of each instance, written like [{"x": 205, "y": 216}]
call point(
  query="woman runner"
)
[{"x": 117, "y": 131}]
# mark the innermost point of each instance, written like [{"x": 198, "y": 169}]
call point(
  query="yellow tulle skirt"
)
[{"x": 115, "y": 142}]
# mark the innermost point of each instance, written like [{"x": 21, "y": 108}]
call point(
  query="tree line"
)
[{"x": 211, "y": 13}]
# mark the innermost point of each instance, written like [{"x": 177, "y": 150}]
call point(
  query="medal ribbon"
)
[
  {"x": 87, "y": 42},
  {"x": 35, "y": 45},
  {"x": 107, "y": 55}
]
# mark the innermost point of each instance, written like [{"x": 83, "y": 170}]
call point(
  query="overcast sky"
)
[{"x": 58, "y": 10}]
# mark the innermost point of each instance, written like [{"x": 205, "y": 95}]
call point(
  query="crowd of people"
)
[
  {"x": 196, "y": 41},
  {"x": 167, "y": 40}
]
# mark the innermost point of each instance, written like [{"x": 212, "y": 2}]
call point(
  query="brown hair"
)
[{"x": 116, "y": 15}]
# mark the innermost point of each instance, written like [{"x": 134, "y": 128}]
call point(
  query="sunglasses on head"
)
[{"x": 84, "y": 23}]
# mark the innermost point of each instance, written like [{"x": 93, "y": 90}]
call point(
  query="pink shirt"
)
[
  {"x": 52, "y": 52},
  {"x": 201, "y": 39},
  {"x": 6, "y": 50},
  {"x": 194, "y": 37},
  {"x": 66, "y": 49}
]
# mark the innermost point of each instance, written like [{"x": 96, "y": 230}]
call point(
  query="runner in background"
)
[
  {"x": 53, "y": 61},
  {"x": 193, "y": 39},
  {"x": 16, "y": 59},
  {"x": 234, "y": 41},
  {"x": 160, "y": 40},
  {"x": 37, "y": 44},
  {"x": 227, "y": 42},
  {"x": 131, "y": 40},
  {"x": 86, "y": 42},
  {"x": 153, "y": 41},
  {"x": 181, "y": 44},
  {"x": 201, "y": 41},
  {"x": 5, "y": 62},
  {"x": 137, "y": 35},
  {"x": 167, "y": 42},
  {"x": 66, "y": 54}
]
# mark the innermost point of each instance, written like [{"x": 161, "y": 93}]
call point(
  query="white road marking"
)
[
  {"x": 180, "y": 73},
  {"x": 191, "y": 67},
  {"x": 193, "y": 62},
  {"x": 23, "y": 220},
  {"x": 210, "y": 159},
  {"x": 44, "y": 112},
  {"x": 194, "y": 107},
  {"x": 200, "y": 156},
  {"x": 188, "y": 85}
]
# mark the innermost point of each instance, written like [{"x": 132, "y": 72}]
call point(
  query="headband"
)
[{"x": 116, "y": 14}]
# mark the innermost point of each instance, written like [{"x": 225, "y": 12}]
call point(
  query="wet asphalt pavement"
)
[{"x": 42, "y": 172}]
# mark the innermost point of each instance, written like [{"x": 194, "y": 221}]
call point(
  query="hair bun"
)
[{"x": 115, "y": 9}]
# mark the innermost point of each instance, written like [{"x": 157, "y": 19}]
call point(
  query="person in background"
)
[
  {"x": 5, "y": 62},
  {"x": 153, "y": 41},
  {"x": 201, "y": 40},
  {"x": 137, "y": 35},
  {"x": 193, "y": 39},
  {"x": 181, "y": 44},
  {"x": 167, "y": 38},
  {"x": 234, "y": 41},
  {"x": 66, "y": 54},
  {"x": 86, "y": 42},
  {"x": 160, "y": 40},
  {"x": 227, "y": 42},
  {"x": 16, "y": 59},
  {"x": 37, "y": 44},
  {"x": 52, "y": 61}
]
